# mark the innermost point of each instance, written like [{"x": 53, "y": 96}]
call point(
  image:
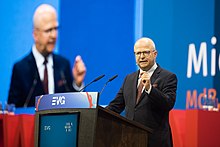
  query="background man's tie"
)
[{"x": 45, "y": 81}]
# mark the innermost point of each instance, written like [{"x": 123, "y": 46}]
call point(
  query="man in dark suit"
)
[
  {"x": 42, "y": 71},
  {"x": 148, "y": 94}
]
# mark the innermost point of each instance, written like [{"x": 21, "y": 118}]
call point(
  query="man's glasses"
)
[
  {"x": 145, "y": 53},
  {"x": 50, "y": 30}
]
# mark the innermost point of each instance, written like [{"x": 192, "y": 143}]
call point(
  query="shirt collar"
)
[
  {"x": 151, "y": 70},
  {"x": 39, "y": 58}
]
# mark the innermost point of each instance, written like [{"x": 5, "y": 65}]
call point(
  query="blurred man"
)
[
  {"x": 42, "y": 71},
  {"x": 148, "y": 94}
]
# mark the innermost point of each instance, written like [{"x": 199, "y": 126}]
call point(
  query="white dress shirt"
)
[{"x": 39, "y": 58}]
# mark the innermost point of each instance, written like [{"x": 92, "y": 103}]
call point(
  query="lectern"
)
[{"x": 83, "y": 125}]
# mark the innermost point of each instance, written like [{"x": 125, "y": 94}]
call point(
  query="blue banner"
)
[{"x": 67, "y": 100}]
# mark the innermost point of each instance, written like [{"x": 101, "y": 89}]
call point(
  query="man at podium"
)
[
  {"x": 42, "y": 71},
  {"x": 148, "y": 94}
]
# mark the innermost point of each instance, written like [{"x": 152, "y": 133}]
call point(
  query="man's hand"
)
[
  {"x": 145, "y": 79},
  {"x": 79, "y": 71}
]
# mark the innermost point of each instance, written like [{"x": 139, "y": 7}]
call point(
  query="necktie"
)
[
  {"x": 45, "y": 81},
  {"x": 139, "y": 91}
]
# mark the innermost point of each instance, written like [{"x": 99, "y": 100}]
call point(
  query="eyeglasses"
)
[
  {"x": 145, "y": 53},
  {"x": 50, "y": 30}
]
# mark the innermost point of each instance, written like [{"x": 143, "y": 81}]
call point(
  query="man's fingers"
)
[
  {"x": 78, "y": 58},
  {"x": 79, "y": 66}
]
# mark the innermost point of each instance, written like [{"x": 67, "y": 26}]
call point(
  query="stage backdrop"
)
[
  {"x": 185, "y": 35},
  {"x": 16, "y": 36},
  {"x": 103, "y": 32}
]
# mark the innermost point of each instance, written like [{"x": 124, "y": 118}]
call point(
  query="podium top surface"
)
[{"x": 67, "y": 100}]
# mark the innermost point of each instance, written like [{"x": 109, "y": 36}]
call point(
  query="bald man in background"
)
[
  {"x": 148, "y": 94},
  {"x": 42, "y": 71}
]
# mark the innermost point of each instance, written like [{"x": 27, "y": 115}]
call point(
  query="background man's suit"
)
[
  {"x": 24, "y": 74},
  {"x": 153, "y": 109}
]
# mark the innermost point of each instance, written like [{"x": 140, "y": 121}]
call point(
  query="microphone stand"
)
[
  {"x": 96, "y": 79},
  {"x": 30, "y": 93},
  {"x": 112, "y": 78}
]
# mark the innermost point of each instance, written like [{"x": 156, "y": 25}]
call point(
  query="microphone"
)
[
  {"x": 30, "y": 93},
  {"x": 96, "y": 79},
  {"x": 63, "y": 77},
  {"x": 109, "y": 80}
]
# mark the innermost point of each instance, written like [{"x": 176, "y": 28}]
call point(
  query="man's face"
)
[
  {"x": 45, "y": 34},
  {"x": 145, "y": 55}
]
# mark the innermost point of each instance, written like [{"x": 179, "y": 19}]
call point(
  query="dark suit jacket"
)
[
  {"x": 153, "y": 109},
  {"x": 25, "y": 78}
]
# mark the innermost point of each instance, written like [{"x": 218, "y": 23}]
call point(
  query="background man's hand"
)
[{"x": 79, "y": 71}]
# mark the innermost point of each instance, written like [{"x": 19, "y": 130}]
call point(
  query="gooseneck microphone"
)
[
  {"x": 109, "y": 80},
  {"x": 30, "y": 93},
  {"x": 96, "y": 79}
]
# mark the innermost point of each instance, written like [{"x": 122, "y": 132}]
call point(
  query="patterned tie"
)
[
  {"x": 139, "y": 92},
  {"x": 45, "y": 81}
]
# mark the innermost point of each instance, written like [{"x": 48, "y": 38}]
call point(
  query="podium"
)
[{"x": 95, "y": 125}]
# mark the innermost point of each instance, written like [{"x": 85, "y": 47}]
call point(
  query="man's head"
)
[
  {"x": 45, "y": 29},
  {"x": 145, "y": 53}
]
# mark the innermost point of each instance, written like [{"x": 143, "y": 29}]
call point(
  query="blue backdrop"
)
[
  {"x": 103, "y": 34},
  {"x": 174, "y": 25}
]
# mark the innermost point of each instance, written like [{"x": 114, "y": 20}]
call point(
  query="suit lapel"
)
[
  {"x": 155, "y": 75},
  {"x": 34, "y": 72},
  {"x": 136, "y": 87},
  {"x": 33, "y": 67}
]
